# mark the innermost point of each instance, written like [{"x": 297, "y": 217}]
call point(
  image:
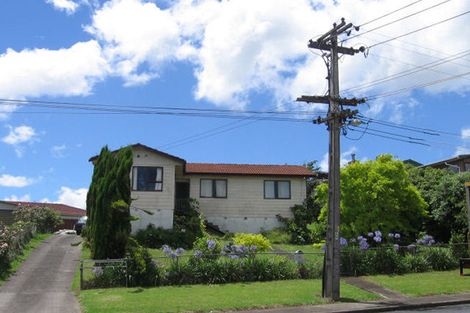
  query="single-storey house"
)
[
  {"x": 69, "y": 214},
  {"x": 459, "y": 163},
  {"x": 234, "y": 197}
]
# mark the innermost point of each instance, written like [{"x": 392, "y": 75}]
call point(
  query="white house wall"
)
[
  {"x": 160, "y": 203},
  {"x": 245, "y": 209}
]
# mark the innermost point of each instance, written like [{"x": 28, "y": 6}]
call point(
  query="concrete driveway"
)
[{"x": 42, "y": 283}]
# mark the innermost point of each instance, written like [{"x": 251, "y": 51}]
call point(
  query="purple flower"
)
[
  {"x": 211, "y": 244},
  {"x": 396, "y": 247},
  {"x": 371, "y": 234},
  {"x": 343, "y": 242},
  {"x": 363, "y": 245},
  {"x": 378, "y": 233},
  {"x": 360, "y": 238},
  {"x": 352, "y": 240},
  {"x": 233, "y": 256},
  {"x": 179, "y": 251},
  {"x": 173, "y": 255},
  {"x": 166, "y": 249},
  {"x": 252, "y": 248},
  {"x": 397, "y": 236},
  {"x": 431, "y": 242},
  {"x": 378, "y": 239},
  {"x": 197, "y": 253}
]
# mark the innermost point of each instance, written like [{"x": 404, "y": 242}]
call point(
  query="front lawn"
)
[
  {"x": 212, "y": 297},
  {"x": 423, "y": 284},
  {"x": 292, "y": 248}
]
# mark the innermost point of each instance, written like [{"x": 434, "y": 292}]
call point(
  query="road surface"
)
[
  {"x": 42, "y": 283},
  {"x": 444, "y": 309}
]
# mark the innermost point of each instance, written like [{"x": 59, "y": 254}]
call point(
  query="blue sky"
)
[{"x": 237, "y": 55}]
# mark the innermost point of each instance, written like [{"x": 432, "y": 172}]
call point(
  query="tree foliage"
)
[
  {"x": 108, "y": 202},
  {"x": 377, "y": 194},
  {"x": 444, "y": 192}
]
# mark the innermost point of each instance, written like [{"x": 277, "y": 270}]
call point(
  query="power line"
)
[
  {"x": 416, "y": 69},
  {"x": 420, "y": 29},
  {"x": 397, "y": 20},
  {"x": 389, "y": 13},
  {"x": 388, "y": 133},
  {"x": 422, "y": 85},
  {"x": 391, "y": 138}
]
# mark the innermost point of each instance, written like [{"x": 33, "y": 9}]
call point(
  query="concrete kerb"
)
[{"x": 373, "y": 306}]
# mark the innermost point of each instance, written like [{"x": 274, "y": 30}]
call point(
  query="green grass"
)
[
  {"x": 28, "y": 249},
  {"x": 292, "y": 248},
  {"x": 204, "y": 298},
  {"x": 76, "y": 278},
  {"x": 423, "y": 284}
]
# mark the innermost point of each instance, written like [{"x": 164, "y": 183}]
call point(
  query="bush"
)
[
  {"x": 45, "y": 219},
  {"x": 416, "y": 263},
  {"x": 439, "y": 259},
  {"x": 259, "y": 241},
  {"x": 143, "y": 271},
  {"x": 207, "y": 247},
  {"x": 187, "y": 226},
  {"x": 13, "y": 239},
  {"x": 458, "y": 246},
  {"x": 277, "y": 235},
  {"x": 317, "y": 231},
  {"x": 297, "y": 226},
  {"x": 106, "y": 276}
]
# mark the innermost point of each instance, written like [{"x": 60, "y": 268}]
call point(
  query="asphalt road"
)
[
  {"x": 42, "y": 283},
  {"x": 444, "y": 309}
]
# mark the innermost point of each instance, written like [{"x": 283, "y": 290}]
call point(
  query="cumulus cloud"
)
[
  {"x": 7, "y": 180},
  {"x": 68, "y": 6},
  {"x": 73, "y": 197},
  {"x": 19, "y": 136},
  {"x": 465, "y": 133},
  {"x": 464, "y": 148},
  {"x": 25, "y": 197},
  {"x": 240, "y": 47},
  {"x": 69, "y": 71}
]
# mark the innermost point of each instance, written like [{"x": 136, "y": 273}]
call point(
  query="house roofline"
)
[
  {"x": 139, "y": 145},
  {"x": 456, "y": 158}
]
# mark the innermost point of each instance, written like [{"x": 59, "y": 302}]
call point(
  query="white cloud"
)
[
  {"x": 68, "y": 6},
  {"x": 38, "y": 72},
  {"x": 26, "y": 198},
  {"x": 462, "y": 150},
  {"x": 20, "y": 134},
  {"x": 15, "y": 181},
  {"x": 240, "y": 47},
  {"x": 73, "y": 197},
  {"x": 344, "y": 159},
  {"x": 465, "y": 134},
  {"x": 58, "y": 152}
]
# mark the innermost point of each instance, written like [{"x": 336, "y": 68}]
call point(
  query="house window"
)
[
  {"x": 467, "y": 167},
  {"x": 145, "y": 178},
  {"x": 277, "y": 189},
  {"x": 213, "y": 188}
]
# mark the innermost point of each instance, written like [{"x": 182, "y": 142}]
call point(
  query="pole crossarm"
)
[
  {"x": 327, "y": 47},
  {"x": 342, "y": 116},
  {"x": 327, "y": 100}
]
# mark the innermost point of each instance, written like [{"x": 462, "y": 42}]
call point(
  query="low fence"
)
[{"x": 354, "y": 262}]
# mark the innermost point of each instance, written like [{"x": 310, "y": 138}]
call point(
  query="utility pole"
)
[
  {"x": 467, "y": 192},
  {"x": 335, "y": 119}
]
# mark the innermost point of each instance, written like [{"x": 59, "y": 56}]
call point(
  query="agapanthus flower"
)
[
  {"x": 211, "y": 244},
  {"x": 197, "y": 253},
  {"x": 166, "y": 249},
  {"x": 396, "y": 247},
  {"x": 371, "y": 234},
  {"x": 378, "y": 233},
  {"x": 343, "y": 242},
  {"x": 397, "y": 236},
  {"x": 179, "y": 251},
  {"x": 252, "y": 248},
  {"x": 173, "y": 255},
  {"x": 377, "y": 239},
  {"x": 363, "y": 245},
  {"x": 352, "y": 240}
]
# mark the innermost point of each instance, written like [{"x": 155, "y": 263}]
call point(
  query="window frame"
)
[
  {"x": 213, "y": 188},
  {"x": 276, "y": 189},
  {"x": 134, "y": 188}
]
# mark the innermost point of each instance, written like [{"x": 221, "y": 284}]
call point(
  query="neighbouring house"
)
[
  {"x": 460, "y": 163},
  {"x": 69, "y": 214},
  {"x": 234, "y": 197}
]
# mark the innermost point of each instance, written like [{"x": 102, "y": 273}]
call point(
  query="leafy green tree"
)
[
  {"x": 45, "y": 219},
  {"x": 108, "y": 201},
  {"x": 444, "y": 192},
  {"x": 377, "y": 195}
]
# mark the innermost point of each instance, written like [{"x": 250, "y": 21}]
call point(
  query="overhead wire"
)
[{"x": 389, "y": 13}]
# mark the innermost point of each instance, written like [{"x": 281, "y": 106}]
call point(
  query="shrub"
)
[
  {"x": 187, "y": 226},
  {"x": 259, "y": 241},
  {"x": 106, "y": 276},
  {"x": 317, "y": 231},
  {"x": 416, "y": 263},
  {"x": 13, "y": 239},
  {"x": 277, "y": 235},
  {"x": 207, "y": 247},
  {"x": 297, "y": 226},
  {"x": 458, "y": 246},
  {"x": 439, "y": 259},
  {"x": 143, "y": 271},
  {"x": 45, "y": 219}
]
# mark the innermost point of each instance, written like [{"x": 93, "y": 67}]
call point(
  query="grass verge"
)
[
  {"x": 424, "y": 284},
  {"x": 204, "y": 298},
  {"x": 76, "y": 278},
  {"x": 28, "y": 249}
]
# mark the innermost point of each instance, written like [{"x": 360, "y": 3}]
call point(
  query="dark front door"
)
[{"x": 182, "y": 196}]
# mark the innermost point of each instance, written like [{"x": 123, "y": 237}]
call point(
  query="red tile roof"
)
[
  {"x": 248, "y": 169},
  {"x": 62, "y": 209}
]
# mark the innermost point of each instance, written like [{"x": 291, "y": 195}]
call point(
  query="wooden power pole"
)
[
  {"x": 467, "y": 192},
  {"x": 335, "y": 119}
]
